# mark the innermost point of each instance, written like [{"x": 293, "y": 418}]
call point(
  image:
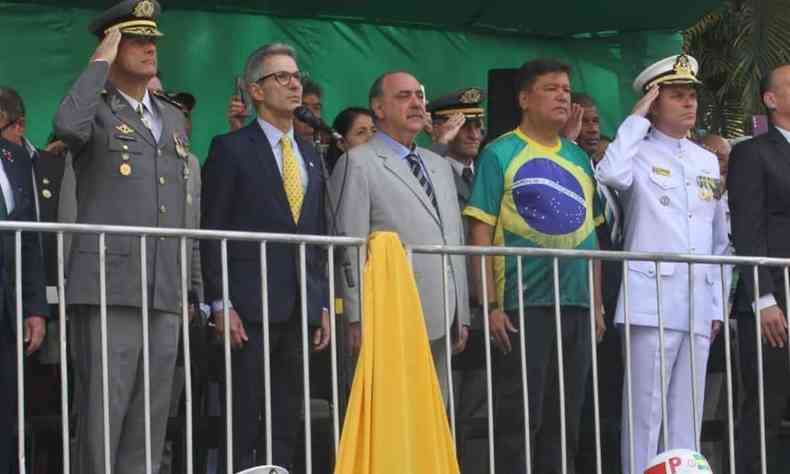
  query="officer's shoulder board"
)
[{"x": 165, "y": 98}]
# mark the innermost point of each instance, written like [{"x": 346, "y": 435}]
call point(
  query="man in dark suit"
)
[
  {"x": 41, "y": 379},
  {"x": 262, "y": 178},
  {"x": 759, "y": 198},
  {"x": 17, "y": 203},
  {"x": 48, "y": 167}
]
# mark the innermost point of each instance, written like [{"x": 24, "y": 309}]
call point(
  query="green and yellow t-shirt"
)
[{"x": 537, "y": 196}]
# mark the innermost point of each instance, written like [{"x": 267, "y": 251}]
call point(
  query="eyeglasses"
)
[
  {"x": 11, "y": 124},
  {"x": 284, "y": 77}
]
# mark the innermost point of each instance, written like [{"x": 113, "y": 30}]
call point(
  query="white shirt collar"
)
[
  {"x": 671, "y": 143},
  {"x": 134, "y": 102},
  {"x": 784, "y": 133},
  {"x": 458, "y": 166},
  {"x": 274, "y": 134}
]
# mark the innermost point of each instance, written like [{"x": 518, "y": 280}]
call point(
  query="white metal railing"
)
[{"x": 330, "y": 244}]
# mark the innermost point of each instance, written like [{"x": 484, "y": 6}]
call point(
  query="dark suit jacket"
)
[
  {"x": 18, "y": 168},
  {"x": 758, "y": 182},
  {"x": 243, "y": 190}
]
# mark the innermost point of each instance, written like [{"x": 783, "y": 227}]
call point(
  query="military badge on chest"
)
[
  {"x": 709, "y": 188},
  {"x": 182, "y": 145}
]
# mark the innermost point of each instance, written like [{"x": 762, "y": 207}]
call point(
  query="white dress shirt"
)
[
  {"x": 274, "y": 135},
  {"x": 150, "y": 113},
  {"x": 8, "y": 191}
]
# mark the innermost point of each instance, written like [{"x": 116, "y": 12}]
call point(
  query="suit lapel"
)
[
  {"x": 12, "y": 173},
  {"x": 167, "y": 124},
  {"x": 265, "y": 156},
  {"x": 781, "y": 143},
  {"x": 312, "y": 166},
  {"x": 125, "y": 113},
  {"x": 397, "y": 166}
]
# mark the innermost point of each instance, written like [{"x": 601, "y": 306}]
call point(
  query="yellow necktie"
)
[{"x": 292, "y": 178}]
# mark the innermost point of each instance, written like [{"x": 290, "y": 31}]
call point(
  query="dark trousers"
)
[
  {"x": 776, "y": 383},
  {"x": 8, "y": 400},
  {"x": 248, "y": 395},
  {"x": 543, "y": 389},
  {"x": 610, "y": 402}
]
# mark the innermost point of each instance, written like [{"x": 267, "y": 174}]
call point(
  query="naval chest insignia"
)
[
  {"x": 46, "y": 193},
  {"x": 662, "y": 171},
  {"x": 125, "y": 129},
  {"x": 125, "y": 169},
  {"x": 709, "y": 188}
]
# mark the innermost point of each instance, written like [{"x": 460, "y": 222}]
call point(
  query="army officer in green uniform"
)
[{"x": 131, "y": 164}]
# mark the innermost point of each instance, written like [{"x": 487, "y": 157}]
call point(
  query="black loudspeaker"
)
[{"x": 503, "y": 112}]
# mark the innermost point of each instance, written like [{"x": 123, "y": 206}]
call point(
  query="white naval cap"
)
[{"x": 677, "y": 69}]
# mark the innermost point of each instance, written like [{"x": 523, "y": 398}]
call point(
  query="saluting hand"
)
[
  {"x": 108, "y": 48},
  {"x": 446, "y": 132},
  {"x": 642, "y": 108},
  {"x": 573, "y": 127}
]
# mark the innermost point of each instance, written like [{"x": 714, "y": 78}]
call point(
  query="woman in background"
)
[{"x": 356, "y": 126}]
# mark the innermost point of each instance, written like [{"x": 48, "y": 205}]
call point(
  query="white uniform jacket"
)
[{"x": 669, "y": 190}]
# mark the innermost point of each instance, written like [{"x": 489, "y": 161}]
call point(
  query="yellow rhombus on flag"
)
[{"x": 396, "y": 421}]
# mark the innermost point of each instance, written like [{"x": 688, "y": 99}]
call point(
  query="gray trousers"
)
[{"x": 126, "y": 387}]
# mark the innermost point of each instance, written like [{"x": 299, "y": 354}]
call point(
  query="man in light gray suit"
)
[
  {"x": 391, "y": 184},
  {"x": 130, "y": 153}
]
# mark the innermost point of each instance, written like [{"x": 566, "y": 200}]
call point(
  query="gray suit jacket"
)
[
  {"x": 106, "y": 135},
  {"x": 381, "y": 193}
]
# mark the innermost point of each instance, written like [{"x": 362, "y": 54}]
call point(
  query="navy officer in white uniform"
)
[{"x": 669, "y": 187}]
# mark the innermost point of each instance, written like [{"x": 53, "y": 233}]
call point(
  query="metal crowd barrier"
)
[{"x": 330, "y": 244}]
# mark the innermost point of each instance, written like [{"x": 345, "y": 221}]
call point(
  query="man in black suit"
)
[
  {"x": 759, "y": 198},
  {"x": 16, "y": 203},
  {"x": 262, "y": 178}
]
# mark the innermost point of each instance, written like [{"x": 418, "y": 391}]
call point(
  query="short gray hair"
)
[{"x": 253, "y": 68}]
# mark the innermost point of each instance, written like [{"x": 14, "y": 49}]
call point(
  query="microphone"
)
[{"x": 303, "y": 114}]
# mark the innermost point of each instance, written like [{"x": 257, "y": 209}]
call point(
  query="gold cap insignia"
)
[
  {"x": 470, "y": 96},
  {"x": 144, "y": 9},
  {"x": 125, "y": 129},
  {"x": 683, "y": 66}
]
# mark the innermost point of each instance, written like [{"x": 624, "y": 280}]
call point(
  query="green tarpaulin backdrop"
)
[{"x": 46, "y": 46}]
